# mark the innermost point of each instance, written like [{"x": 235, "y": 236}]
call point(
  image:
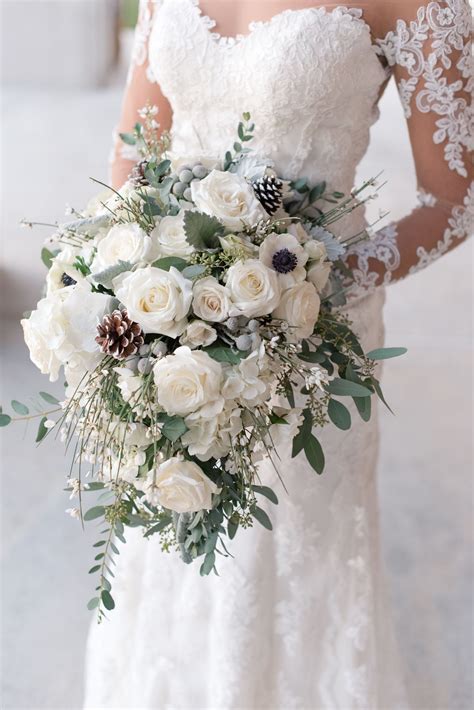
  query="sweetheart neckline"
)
[{"x": 230, "y": 41}]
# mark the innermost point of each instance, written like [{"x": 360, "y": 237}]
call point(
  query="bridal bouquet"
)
[{"x": 195, "y": 312}]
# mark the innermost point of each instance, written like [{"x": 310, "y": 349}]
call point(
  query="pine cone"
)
[
  {"x": 119, "y": 336},
  {"x": 137, "y": 175},
  {"x": 269, "y": 191}
]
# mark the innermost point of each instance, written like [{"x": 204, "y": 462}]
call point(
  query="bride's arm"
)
[
  {"x": 141, "y": 89},
  {"x": 428, "y": 48}
]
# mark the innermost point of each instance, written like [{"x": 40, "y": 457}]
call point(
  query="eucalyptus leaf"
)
[
  {"x": 222, "y": 353},
  {"x": 339, "y": 414},
  {"x": 107, "y": 600},
  {"x": 5, "y": 420},
  {"x": 42, "y": 430},
  {"x": 385, "y": 353},
  {"x": 173, "y": 428},
  {"x": 262, "y": 517},
  {"x": 364, "y": 407},
  {"x": 314, "y": 453},
  {"x": 49, "y": 398},
  {"x": 168, "y": 261},
  {"x": 208, "y": 564},
  {"x": 128, "y": 138},
  {"x": 345, "y": 388},
  {"x": 93, "y": 603},
  {"x": 20, "y": 408},
  {"x": 267, "y": 492},
  {"x": 303, "y": 432},
  {"x": 47, "y": 257},
  {"x": 193, "y": 271},
  {"x": 232, "y": 528},
  {"x": 96, "y": 512}
]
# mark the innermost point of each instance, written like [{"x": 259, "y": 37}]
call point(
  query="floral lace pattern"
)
[
  {"x": 460, "y": 226},
  {"x": 424, "y": 48},
  {"x": 382, "y": 247}
]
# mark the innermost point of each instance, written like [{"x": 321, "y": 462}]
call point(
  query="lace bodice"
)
[
  {"x": 269, "y": 72},
  {"x": 311, "y": 79}
]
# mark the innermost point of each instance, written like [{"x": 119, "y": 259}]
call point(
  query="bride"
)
[{"x": 298, "y": 618}]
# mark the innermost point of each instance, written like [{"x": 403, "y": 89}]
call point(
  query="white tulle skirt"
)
[{"x": 298, "y": 619}]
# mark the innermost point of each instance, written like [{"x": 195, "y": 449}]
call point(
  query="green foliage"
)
[
  {"x": 167, "y": 262},
  {"x": 97, "y": 511},
  {"x": 386, "y": 353},
  {"x": 202, "y": 231},
  {"x": 222, "y": 353},
  {"x": 339, "y": 414},
  {"x": 42, "y": 430},
  {"x": 173, "y": 427},
  {"x": 5, "y": 420},
  {"x": 49, "y": 398},
  {"x": 345, "y": 388},
  {"x": 47, "y": 257},
  {"x": 20, "y": 408},
  {"x": 314, "y": 453},
  {"x": 261, "y": 516}
]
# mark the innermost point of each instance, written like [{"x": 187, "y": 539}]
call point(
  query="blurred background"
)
[{"x": 63, "y": 65}]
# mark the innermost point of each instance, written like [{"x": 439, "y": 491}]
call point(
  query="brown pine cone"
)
[
  {"x": 119, "y": 336},
  {"x": 137, "y": 176}
]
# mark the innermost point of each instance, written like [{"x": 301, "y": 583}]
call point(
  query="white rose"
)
[
  {"x": 318, "y": 274},
  {"x": 124, "y": 242},
  {"x": 198, "y": 334},
  {"x": 235, "y": 243},
  {"x": 228, "y": 197},
  {"x": 254, "y": 288},
  {"x": 181, "y": 486},
  {"x": 315, "y": 250},
  {"x": 299, "y": 307},
  {"x": 283, "y": 254},
  {"x": 187, "y": 380},
  {"x": 158, "y": 300},
  {"x": 211, "y": 300},
  {"x": 63, "y": 329},
  {"x": 170, "y": 236}
]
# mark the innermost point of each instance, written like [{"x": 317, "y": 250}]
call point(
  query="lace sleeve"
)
[
  {"x": 429, "y": 52},
  {"x": 141, "y": 89}
]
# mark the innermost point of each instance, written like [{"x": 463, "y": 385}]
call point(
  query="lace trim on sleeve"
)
[
  {"x": 382, "y": 247},
  {"x": 460, "y": 225},
  {"x": 143, "y": 28},
  {"x": 442, "y": 27}
]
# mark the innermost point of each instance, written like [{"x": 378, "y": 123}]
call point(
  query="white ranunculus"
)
[
  {"x": 315, "y": 250},
  {"x": 181, "y": 486},
  {"x": 187, "y": 380},
  {"x": 254, "y": 288},
  {"x": 284, "y": 254},
  {"x": 158, "y": 300},
  {"x": 198, "y": 334},
  {"x": 63, "y": 329},
  {"x": 228, "y": 197},
  {"x": 318, "y": 274},
  {"x": 211, "y": 300},
  {"x": 170, "y": 236},
  {"x": 299, "y": 307},
  {"x": 124, "y": 242}
]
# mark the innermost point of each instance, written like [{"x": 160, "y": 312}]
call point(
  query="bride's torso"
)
[{"x": 309, "y": 77}]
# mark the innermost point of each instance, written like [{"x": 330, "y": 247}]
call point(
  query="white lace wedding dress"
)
[{"x": 298, "y": 618}]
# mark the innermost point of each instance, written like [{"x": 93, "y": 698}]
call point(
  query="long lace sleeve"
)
[
  {"x": 429, "y": 51},
  {"x": 141, "y": 89}
]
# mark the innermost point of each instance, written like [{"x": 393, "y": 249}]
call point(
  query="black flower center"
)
[
  {"x": 67, "y": 280},
  {"x": 284, "y": 261}
]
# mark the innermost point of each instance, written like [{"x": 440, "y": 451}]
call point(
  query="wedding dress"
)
[{"x": 298, "y": 617}]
